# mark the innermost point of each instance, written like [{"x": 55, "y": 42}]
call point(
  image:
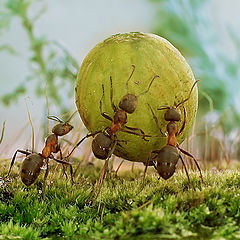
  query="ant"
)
[
  {"x": 168, "y": 156},
  {"x": 105, "y": 141},
  {"x": 33, "y": 162}
]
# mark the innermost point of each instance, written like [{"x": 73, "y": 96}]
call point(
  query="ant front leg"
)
[
  {"x": 111, "y": 95},
  {"x": 138, "y": 134},
  {"x": 87, "y": 136},
  {"x": 135, "y": 129},
  {"x": 64, "y": 163},
  {"x": 184, "y": 120},
  {"x": 156, "y": 121},
  {"x": 100, "y": 106},
  {"x": 14, "y": 157}
]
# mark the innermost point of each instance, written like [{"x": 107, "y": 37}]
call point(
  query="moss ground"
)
[{"x": 162, "y": 210}]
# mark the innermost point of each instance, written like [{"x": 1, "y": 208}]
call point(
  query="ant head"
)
[
  {"x": 62, "y": 129},
  {"x": 172, "y": 114},
  {"x": 101, "y": 145},
  {"x": 128, "y": 103},
  {"x": 166, "y": 161}
]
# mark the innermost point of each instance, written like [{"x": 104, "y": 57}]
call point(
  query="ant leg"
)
[
  {"x": 190, "y": 155},
  {"x": 64, "y": 167},
  {"x": 59, "y": 161},
  {"x": 138, "y": 134},
  {"x": 185, "y": 168},
  {"x": 119, "y": 167},
  {"x": 111, "y": 95},
  {"x": 71, "y": 173},
  {"x": 184, "y": 120},
  {"x": 156, "y": 120},
  {"x": 14, "y": 157},
  {"x": 100, "y": 106},
  {"x": 45, "y": 179},
  {"x": 135, "y": 129},
  {"x": 87, "y": 136},
  {"x": 103, "y": 173},
  {"x": 145, "y": 171}
]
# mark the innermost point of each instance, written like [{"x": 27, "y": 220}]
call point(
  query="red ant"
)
[
  {"x": 167, "y": 157},
  {"x": 33, "y": 163},
  {"x": 105, "y": 141}
]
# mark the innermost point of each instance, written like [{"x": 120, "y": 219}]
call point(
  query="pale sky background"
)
[{"x": 79, "y": 26}]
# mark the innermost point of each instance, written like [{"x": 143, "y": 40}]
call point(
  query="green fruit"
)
[{"x": 152, "y": 55}]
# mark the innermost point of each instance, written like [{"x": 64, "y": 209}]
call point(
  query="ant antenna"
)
[
  {"x": 163, "y": 107},
  {"x": 54, "y": 118},
  {"x": 133, "y": 66},
  {"x": 188, "y": 95},
  {"x": 71, "y": 116},
  {"x": 148, "y": 86}
]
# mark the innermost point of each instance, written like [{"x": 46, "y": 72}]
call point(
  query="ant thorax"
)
[
  {"x": 101, "y": 145},
  {"x": 128, "y": 103},
  {"x": 172, "y": 114}
]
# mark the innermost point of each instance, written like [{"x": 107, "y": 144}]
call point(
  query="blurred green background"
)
[{"x": 44, "y": 42}]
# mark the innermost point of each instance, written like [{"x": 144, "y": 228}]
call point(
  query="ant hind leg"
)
[
  {"x": 185, "y": 168},
  {"x": 191, "y": 156},
  {"x": 14, "y": 157},
  {"x": 45, "y": 179}
]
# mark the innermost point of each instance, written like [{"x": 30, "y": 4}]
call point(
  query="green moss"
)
[{"x": 162, "y": 210}]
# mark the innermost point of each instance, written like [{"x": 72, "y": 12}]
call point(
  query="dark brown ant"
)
[
  {"x": 168, "y": 156},
  {"x": 105, "y": 141},
  {"x": 33, "y": 163}
]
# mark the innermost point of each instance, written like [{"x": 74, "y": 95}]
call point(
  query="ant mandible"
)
[
  {"x": 105, "y": 141},
  {"x": 168, "y": 156},
  {"x": 31, "y": 165}
]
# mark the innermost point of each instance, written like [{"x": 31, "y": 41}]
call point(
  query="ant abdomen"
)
[
  {"x": 128, "y": 103},
  {"x": 101, "y": 145},
  {"x": 62, "y": 129},
  {"x": 172, "y": 114},
  {"x": 166, "y": 161},
  {"x": 30, "y": 169}
]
